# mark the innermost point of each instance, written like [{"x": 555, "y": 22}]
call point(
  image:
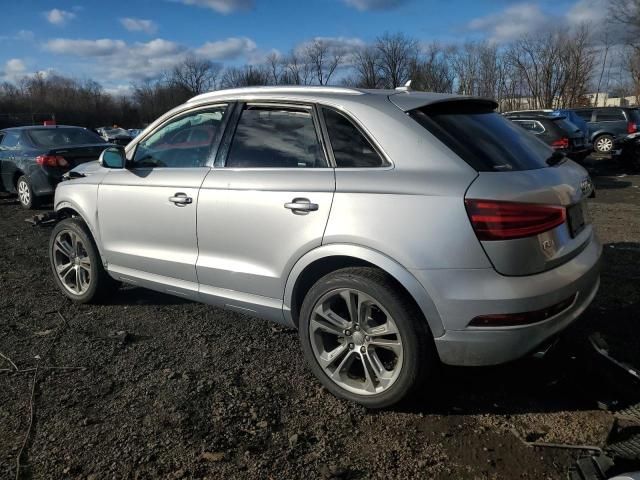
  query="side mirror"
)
[{"x": 112, "y": 158}]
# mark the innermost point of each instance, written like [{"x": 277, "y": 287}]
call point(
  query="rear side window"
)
[
  {"x": 566, "y": 125},
  {"x": 486, "y": 140},
  {"x": 11, "y": 140},
  {"x": 351, "y": 149},
  {"x": 62, "y": 137},
  {"x": 610, "y": 116},
  {"x": 275, "y": 137},
  {"x": 531, "y": 125},
  {"x": 585, "y": 114}
]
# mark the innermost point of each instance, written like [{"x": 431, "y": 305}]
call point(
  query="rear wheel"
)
[
  {"x": 603, "y": 144},
  {"x": 364, "y": 339},
  {"x": 26, "y": 197},
  {"x": 76, "y": 264}
]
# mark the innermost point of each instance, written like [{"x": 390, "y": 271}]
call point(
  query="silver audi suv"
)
[{"x": 394, "y": 229}]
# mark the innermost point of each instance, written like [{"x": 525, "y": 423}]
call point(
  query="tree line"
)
[{"x": 555, "y": 69}]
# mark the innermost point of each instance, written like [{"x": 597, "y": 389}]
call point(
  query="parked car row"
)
[{"x": 603, "y": 130}]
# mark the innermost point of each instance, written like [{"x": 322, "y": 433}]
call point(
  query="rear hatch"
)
[
  {"x": 528, "y": 203},
  {"x": 572, "y": 132}
]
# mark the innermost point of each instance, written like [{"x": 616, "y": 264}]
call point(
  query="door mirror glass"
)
[{"x": 112, "y": 158}]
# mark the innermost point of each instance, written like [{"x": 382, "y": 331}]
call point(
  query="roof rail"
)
[{"x": 276, "y": 89}]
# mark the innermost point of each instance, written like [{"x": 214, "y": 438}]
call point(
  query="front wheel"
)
[
  {"x": 76, "y": 264},
  {"x": 26, "y": 197},
  {"x": 603, "y": 144},
  {"x": 364, "y": 339}
]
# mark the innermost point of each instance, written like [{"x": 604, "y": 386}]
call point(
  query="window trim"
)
[
  {"x": 227, "y": 141},
  {"x": 385, "y": 158},
  {"x": 215, "y": 142}
]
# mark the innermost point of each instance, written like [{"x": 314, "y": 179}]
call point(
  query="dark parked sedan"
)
[
  {"x": 33, "y": 159},
  {"x": 556, "y": 131}
]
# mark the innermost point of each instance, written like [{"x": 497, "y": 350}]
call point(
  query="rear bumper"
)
[{"x": 461, "y": 295}]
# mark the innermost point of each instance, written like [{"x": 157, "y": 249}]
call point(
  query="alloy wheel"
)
[
  {"x": 604, "y": 144},
  {"x": 24, "y": 194},
  {"x": 72, "y": 262},
  {"x": 356, "y": 341}
]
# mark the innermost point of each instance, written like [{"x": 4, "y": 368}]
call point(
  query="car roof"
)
[
  {"x": 38, "y": 127},
  {"x": 403, "y": 97}
]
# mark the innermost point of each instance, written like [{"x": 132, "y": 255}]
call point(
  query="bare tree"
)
[
  {"x": 195, "y": 75},
  {"x": 431, "y": 70},
  {"x": 323, "y": 58},
  {"x": 397, "y": 53},
  {"x": 367, "y": 66},
  {"x": 276, "y": 67},
  {"x": 297, "y": 71},
  {"x": 247, "y": 76}
]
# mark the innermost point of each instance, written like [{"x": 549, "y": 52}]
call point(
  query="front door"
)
[
  {"x": 147, "y": 212},
  {"x": 265, "y": 207}
]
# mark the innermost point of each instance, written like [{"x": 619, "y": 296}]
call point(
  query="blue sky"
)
[{"x": 116, "y": 42}]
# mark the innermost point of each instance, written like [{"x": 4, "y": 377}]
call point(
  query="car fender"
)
[
  {"x": 380, "y": 260},
  {"x": 84, "y": 207},
  {"x": 599, "y": 132}
]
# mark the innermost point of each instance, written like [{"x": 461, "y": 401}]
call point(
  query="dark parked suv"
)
[
  {"x": 609, "y": 125},
  {"x": 556, "y": 131}
]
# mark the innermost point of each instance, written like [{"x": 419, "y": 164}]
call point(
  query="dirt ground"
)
[{"x": 172, "y": 389}]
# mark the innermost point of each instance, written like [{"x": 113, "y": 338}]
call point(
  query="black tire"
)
[
  {"x": 419, "y": 354},
  {"x": 100, "y": 284},
  {"x": 26, "y": 197},
  {"x": 603, "y": 144}
]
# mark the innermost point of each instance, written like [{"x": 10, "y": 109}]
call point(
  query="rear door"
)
[
  {"x": 263, "y": 207},
  {"x": 147, "y": 212}
]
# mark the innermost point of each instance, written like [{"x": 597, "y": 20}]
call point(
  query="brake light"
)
[
  {"x": 51, "y": 161},
  {"x": 562, "y": 143},
  {"x": 632, "y": 127},
  {"x": 494, "y": 220},
  {"x": 524, "y": 318}
]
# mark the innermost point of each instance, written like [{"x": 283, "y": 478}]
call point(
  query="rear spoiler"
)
[{"x": 408, "y": 101}]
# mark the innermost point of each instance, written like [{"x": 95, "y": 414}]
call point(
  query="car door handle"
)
[
  {"x": 181, "y": 199},
  {"x": 301, "y": 206}
]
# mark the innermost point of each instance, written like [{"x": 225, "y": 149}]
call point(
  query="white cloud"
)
[
  {"x": 139, "y": 25},
  {"x": 13, "y": 69},
  {"x": 112, "y": 59},
  {"x": 514, "y": 22},
  {"x": 228, "y": 48},
  {"x": 59, "y": 17},
  {"x": 222, "y": 6},
  {"x": 85, "y": 48},
  {"x": 364, "y": 5}
]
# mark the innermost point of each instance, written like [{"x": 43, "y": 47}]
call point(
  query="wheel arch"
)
[
  {"x": 68, "y": 208},
  {"x": 328, "y": 258}
]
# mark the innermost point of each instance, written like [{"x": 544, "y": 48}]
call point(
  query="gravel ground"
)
[{"x": 173, "y": 389}]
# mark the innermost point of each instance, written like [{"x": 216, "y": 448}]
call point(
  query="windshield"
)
[
  {"x": 483, "y": 138},
  {"x": 62, "y": 137}
]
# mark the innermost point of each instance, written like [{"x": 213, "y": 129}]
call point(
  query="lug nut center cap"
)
[{"x": 358, "y": 338}]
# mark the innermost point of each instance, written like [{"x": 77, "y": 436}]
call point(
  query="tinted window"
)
[
  {"x": 484, "y": 139},
  {"x": 531, "y": 125},
  {"x": 62, "y": 137},
  {"x": 184, "y": 142},
  {"x": 351, "y": 149},
  {"x": 275, "y": 137},
  {"x": 609, "y": 116},
  {"x": 634, "y": 115},
  {"x": 11, "y": 140},
  {"x": 567, "y": 126},
  {"x": 585, "y": 114}
]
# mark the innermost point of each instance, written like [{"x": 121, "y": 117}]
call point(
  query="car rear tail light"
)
[
  {"x": 495, "y": 220},
  {"x": 562, "y": 143},
  {"x": 523, "y": 318},
  {"x": 632, "y": 127},
  {"x": 51, "y": 161}
]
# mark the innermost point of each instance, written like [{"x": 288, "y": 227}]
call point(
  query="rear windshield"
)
[
  {"x": 634, "y": 115},
  {"x": 62, "y": 137},
  {"x": 567, "y": 125},
  {"x": 483, "y": 138}
]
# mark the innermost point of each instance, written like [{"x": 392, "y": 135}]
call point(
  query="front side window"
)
[
  {"x": 351, "y": 149},
  {"x": 275, "y": 137},
  {"x": 184, "y": 142}
]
